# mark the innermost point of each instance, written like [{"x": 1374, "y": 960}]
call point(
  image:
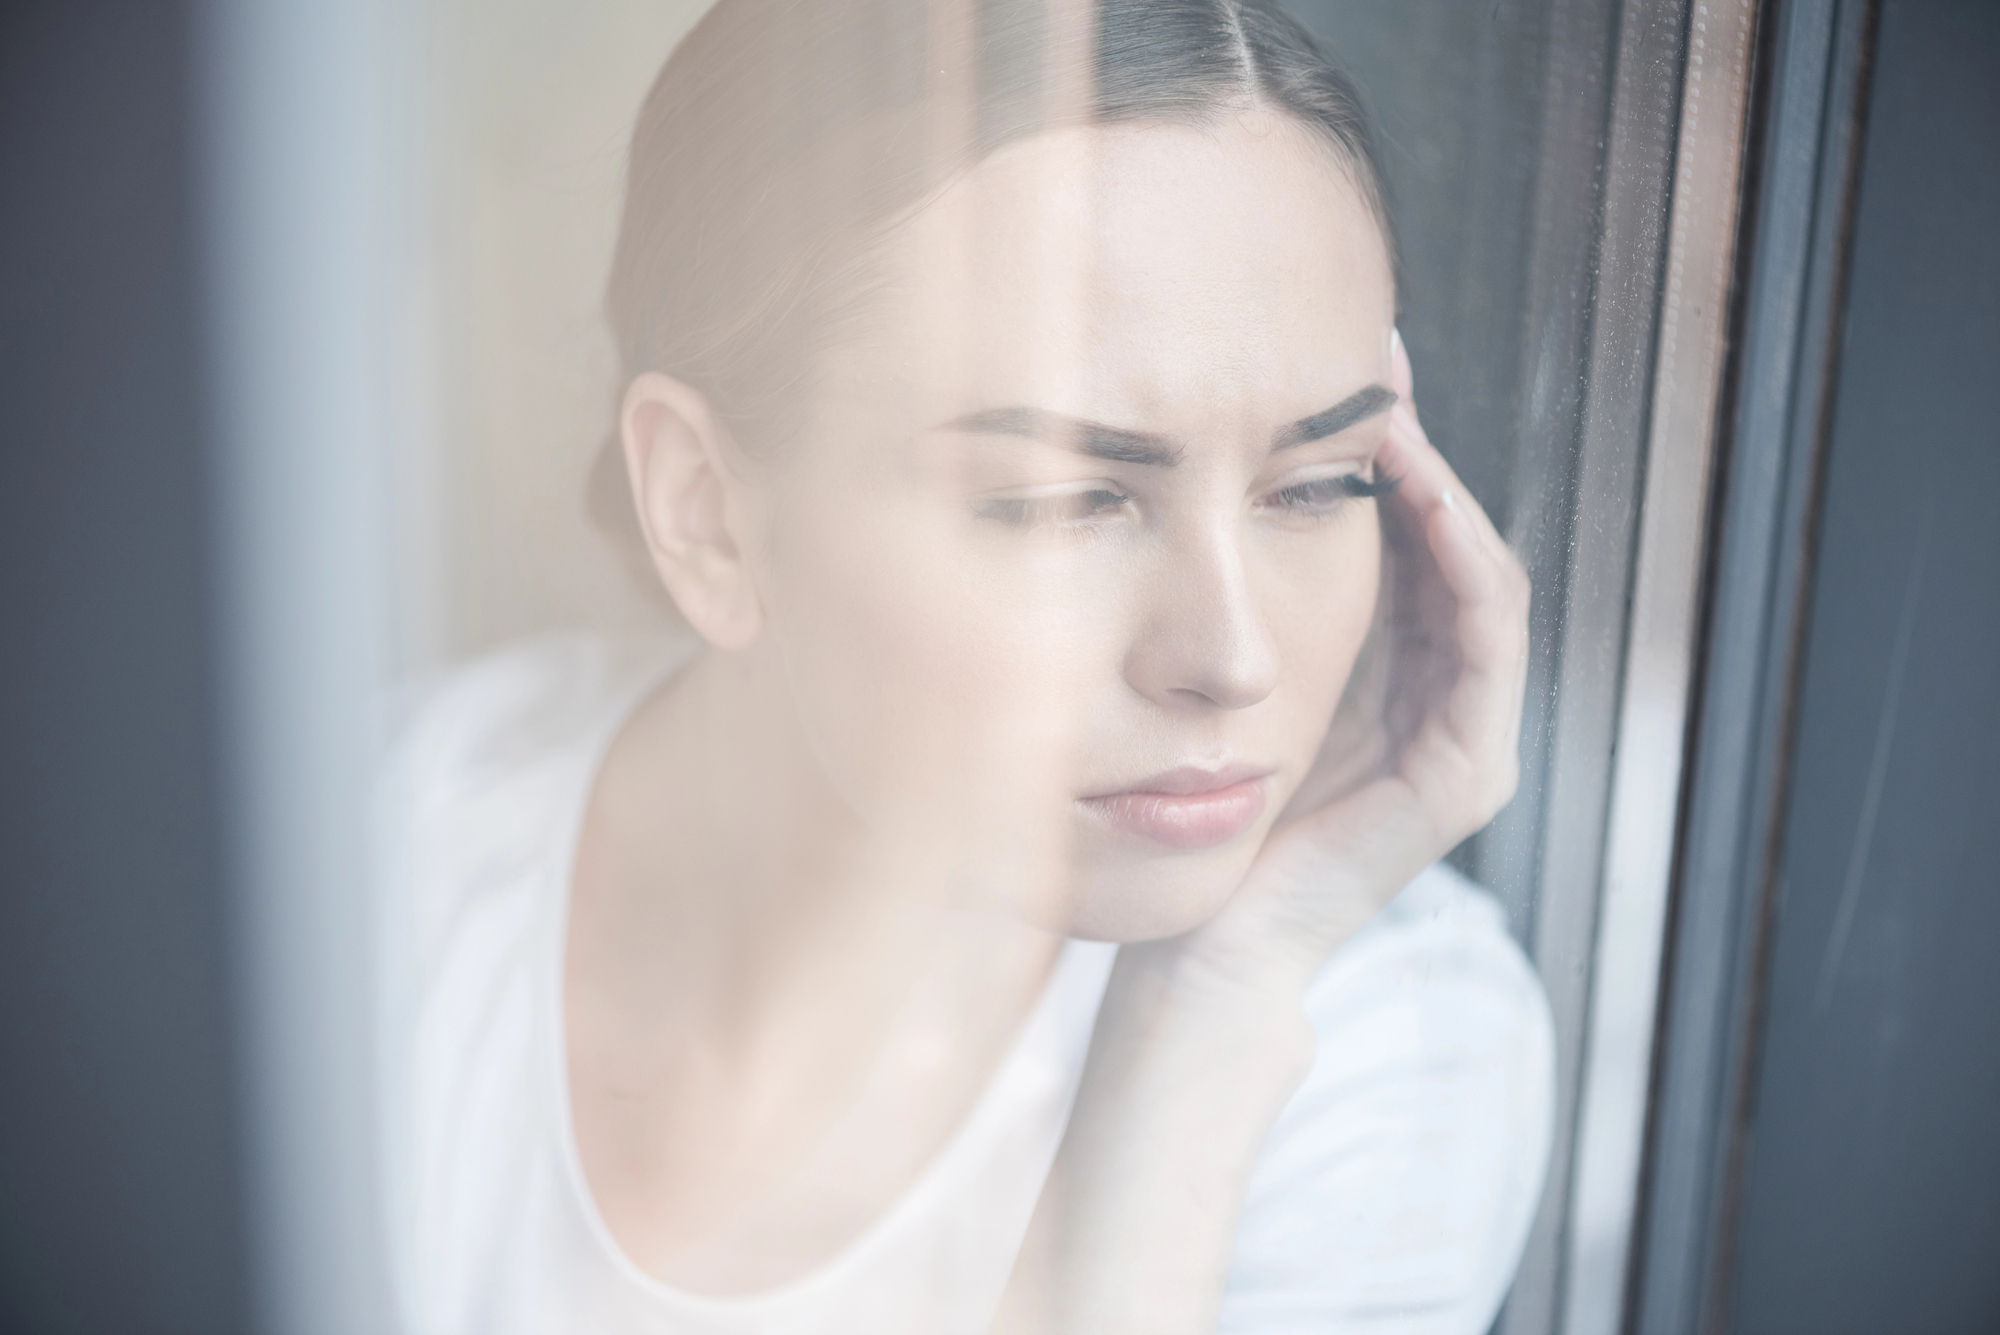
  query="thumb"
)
[{"x": 1401, "y": 378}]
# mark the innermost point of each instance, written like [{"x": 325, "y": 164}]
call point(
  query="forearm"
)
[{"x": 1134, "y": 1230}]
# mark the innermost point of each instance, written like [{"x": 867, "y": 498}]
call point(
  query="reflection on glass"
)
[{"x": 1012, "y": 901}]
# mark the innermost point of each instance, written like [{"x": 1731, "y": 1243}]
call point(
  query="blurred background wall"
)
[{"x": 529, "y": 107}]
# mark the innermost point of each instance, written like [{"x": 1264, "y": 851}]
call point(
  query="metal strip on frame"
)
[{"x": 1659, "y": 662}]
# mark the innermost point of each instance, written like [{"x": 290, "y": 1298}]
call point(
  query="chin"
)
[{"x": 1156, "y": 898}]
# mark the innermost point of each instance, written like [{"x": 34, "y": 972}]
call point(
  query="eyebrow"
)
[
  {"x": 1359, "y": 406},
  {"x": 1092, "y": 438},
  {"x": 1144, "y": 447}
]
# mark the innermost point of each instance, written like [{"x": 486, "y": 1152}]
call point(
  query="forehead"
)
[{"x": 1120, "y": 269}]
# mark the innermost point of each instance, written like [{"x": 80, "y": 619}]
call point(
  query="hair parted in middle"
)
[{"x": 784, "y": 138}]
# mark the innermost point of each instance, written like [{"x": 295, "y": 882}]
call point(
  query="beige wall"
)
[{"x": 527, "y": 110}]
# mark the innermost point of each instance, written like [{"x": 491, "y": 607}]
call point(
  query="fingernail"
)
[{"x": 1448, "y": 498}]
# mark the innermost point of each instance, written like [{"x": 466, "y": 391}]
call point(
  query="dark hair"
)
[{"x": 783, "y": 136}]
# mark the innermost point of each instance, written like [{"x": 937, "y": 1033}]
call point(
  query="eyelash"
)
[
  {"x": 1323, "y": 494},
  {"x": 1079, "y": 509}
]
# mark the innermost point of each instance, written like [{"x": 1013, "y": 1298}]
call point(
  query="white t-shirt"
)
[{"x": 1394, "y": 1192}]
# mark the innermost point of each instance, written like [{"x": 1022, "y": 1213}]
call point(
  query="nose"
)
[{"x": 1201, "y": 640}]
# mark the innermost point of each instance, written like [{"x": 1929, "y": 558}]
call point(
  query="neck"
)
[{"x": 724, "y": 882}]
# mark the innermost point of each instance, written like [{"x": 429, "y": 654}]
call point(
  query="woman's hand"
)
[{"x": 1423, "y": 750}]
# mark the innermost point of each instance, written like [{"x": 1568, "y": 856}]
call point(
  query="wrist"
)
[
  {"x": 1234, "y": 971},
  {"x": 1180, "y": 996},
  {"x": 1188, "y": 1069}
]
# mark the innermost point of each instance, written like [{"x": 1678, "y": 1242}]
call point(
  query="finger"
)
[
  {"x": 1489, "y": 629},
  {"x": 1481, "y": 708},
  {"x": 1509, "y": 648},
  {"x": 1408, "y": 454},
  {"x": 1423, "y": 476},
  {"x": 1401, "y": 378}
]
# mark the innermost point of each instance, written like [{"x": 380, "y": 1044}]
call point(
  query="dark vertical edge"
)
[
  {"x": 120, "y": 1172},
  {"x": 1821, "y": 337}
]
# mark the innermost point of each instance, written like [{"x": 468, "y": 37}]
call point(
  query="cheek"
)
[
  {"x": 1320, "y": 612},
  {"x": 939, "y": 685}
]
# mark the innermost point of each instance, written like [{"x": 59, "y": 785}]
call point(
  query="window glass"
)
[{"x": 1031, "y": 655}]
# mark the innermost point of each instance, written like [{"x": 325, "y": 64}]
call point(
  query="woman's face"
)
[{"x": 1067, "y": 575}]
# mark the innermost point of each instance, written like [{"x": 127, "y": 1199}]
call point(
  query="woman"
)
[{"x": 986, "y": 929}]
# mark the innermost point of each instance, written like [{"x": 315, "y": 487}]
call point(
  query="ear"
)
[{"x": 690, "y": 508}]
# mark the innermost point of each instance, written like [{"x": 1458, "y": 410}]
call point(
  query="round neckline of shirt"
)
[{"x": 933, "y": 1179}]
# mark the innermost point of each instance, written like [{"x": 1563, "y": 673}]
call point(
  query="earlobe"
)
[{"x": 690, "y": 508}]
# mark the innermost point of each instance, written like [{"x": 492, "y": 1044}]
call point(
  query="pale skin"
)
[{"x": 826, "y": 870}]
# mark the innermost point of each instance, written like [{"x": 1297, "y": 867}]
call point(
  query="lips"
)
[{"x": 1186, "y": 809}]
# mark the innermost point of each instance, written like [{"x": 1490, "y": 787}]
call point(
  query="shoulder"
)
[
  {"x": 487, "y": 719},
  {"x": 1396, "y": 1189}
]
